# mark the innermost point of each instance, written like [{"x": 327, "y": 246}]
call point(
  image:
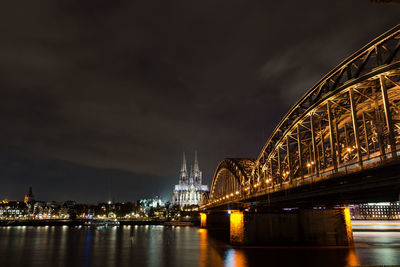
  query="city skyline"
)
[
  {"x": 99, "y": 100},
  {"x": 167, "y": 197}
]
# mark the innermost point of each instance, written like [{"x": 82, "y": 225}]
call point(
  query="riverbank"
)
[{"x": 61, "y": 222}]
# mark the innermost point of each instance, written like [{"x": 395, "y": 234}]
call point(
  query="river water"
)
[{"x": 176, "y": 246}]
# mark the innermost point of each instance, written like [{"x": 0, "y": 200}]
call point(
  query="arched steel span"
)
[
  {"x": 349, "y": 120},
  {"x": 230, "y": 176}
]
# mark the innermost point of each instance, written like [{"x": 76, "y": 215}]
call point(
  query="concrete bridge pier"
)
[
  {"x": 217, "y": 224},
  {"x": 329, "y": 227},
  {"x": 215, "y": 220}
]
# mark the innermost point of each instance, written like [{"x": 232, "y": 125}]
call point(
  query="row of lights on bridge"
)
[
  {"x": 225, "y": 197},
  {"x": 268, "y": 180}
]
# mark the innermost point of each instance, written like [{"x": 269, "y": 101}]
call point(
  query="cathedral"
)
[{"x": 189, "y": 190}]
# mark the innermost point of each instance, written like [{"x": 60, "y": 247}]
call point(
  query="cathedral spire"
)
[
  {"x": 184, "y": 174},
  {"x": 196, "y": 171},
  {"x": 196, "y": 163},
  {"x": 184, "y": 169}
]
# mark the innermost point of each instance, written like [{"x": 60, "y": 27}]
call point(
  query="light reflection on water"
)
[
  {"x": 235, "y": 257},
  {"x": 176, "y": 246}
]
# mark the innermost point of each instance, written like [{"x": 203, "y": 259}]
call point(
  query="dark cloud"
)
[{"x": 95, "y": 89}]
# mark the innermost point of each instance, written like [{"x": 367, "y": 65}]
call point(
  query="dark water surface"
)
[{"x": 176, "y": 246}]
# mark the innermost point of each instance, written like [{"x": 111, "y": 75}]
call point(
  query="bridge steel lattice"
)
[{"x": 349, "y": 121}]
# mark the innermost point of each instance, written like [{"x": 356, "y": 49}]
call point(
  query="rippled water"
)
[{"x": 176, "y": 246}]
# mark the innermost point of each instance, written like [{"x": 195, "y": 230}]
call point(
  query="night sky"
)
[{"x": 99, "y": 98}]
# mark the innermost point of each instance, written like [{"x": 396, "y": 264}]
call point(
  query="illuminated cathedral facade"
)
[{"x": 190, "y": 188}]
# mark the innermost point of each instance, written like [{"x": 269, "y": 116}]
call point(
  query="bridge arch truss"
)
[
  {"x": 231, "y": 177},
  {"x": 349, "y": 120}
]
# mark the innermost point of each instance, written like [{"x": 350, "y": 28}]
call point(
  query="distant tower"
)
[
  {"x": 196, "y": 171},
  {"x": 29, "y": 197},
  {"x": 184, "y": 174}
]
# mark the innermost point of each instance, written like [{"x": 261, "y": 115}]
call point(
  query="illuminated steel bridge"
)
[{"x": 339, "y": 143}]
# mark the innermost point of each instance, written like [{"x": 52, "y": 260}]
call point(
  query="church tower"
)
[
  {"x": 183, "y": 178},
  {"x": 196, "y": 171},
  {"x": 29, "y": 197}
]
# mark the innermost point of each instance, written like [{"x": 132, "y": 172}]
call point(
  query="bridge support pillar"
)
[
  {"x": 238, "y": 232},
  {"x": 300, "y": 227},
  {"x": 217, "y": 224},
  {"x": 203, "y": 220}
]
